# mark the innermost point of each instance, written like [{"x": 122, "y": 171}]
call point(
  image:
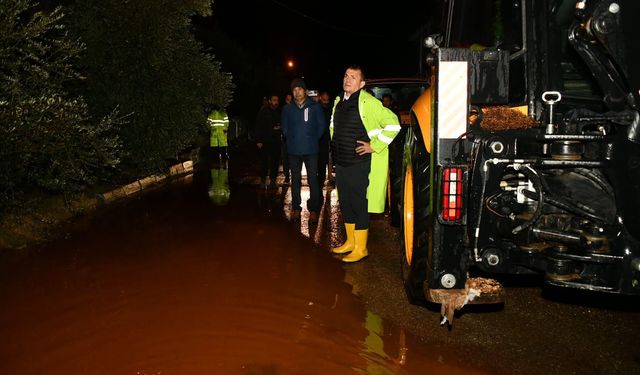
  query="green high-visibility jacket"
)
[
  {"x": 382, "y": 126},
  {"x": 219, "y": 122}
]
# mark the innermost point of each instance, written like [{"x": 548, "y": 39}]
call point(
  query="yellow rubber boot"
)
[
  {"x": 360, "y": 250},
  {"x": 349, "y": 244}
]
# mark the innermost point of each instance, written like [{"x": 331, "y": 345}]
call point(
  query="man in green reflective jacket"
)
[{"x": 361, "y": 131}]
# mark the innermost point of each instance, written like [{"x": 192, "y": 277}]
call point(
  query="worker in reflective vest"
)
[{"x": 219, "y": 122}]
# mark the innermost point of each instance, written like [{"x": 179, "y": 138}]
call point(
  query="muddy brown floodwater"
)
[
  {"x": 178, "y": 281},
  {"x": 197, "y": 278}
]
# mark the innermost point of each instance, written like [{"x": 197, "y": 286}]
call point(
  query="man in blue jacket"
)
[{"x": 303, "y": 125}]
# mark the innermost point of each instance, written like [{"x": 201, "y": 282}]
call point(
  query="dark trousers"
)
[
  {"x": 216, "y": 154},
  {"x": 311, "y": 164},
  {"x": 352, "y": 183},
  {"x": 323, "y": 161},
  {"x": 269, "y": 160},
  {"x": 285, "y": 160}
]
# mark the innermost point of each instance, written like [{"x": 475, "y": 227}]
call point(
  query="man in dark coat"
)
[
  {"x": 302, "y": 125},
  {"x": 325, "y": 140},
  {"x": 268, "y": 139}
]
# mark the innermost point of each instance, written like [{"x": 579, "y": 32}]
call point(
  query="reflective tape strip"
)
[
  {"x": 217, "y": 122},
  {"x": 374, "y": 133},
  {"x": 452, "y": 98},
  {"x": 388, "y": 128},
  {"x": 378, "y": 133},
  {"x": 384, "y": 138}
]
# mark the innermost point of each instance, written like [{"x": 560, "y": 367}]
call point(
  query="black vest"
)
[{"x": 347, "y": 129}]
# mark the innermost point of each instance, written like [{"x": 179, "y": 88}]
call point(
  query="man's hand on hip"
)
[{"x": 364, "y": 148}]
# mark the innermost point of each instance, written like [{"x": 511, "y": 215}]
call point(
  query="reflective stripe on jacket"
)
[{"x": 219, "y": 118}]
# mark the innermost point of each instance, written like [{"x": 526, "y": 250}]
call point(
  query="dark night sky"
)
[{"x": 323, "y": 37}]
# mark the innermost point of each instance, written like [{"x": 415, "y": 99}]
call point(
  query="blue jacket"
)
[{"x": 303, "y": 127}]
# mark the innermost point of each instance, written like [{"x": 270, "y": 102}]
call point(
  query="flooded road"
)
[
  {"x": 187, "y": 279},
  {"x": 207, "y": 275}
]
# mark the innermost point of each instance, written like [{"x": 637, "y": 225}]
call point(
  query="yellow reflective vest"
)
[{"x": 382, "y": 126}]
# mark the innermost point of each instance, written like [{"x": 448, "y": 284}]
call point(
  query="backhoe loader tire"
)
[{"x": 415, "y": 216}]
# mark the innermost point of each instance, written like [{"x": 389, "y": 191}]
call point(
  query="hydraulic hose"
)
[
  {"x": 558, "y": 236},
  {"x": 596, "y": 178},
  {"x": 532, "y": 175},
  {"x": 566, "y": 205}
]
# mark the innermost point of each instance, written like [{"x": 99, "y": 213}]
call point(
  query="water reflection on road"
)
[{"x": 192, "y": 279}]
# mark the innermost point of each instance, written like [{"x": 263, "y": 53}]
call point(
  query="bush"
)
[
  {"x": 142, "y": 58},
  {"x": 48, "y": 141}
]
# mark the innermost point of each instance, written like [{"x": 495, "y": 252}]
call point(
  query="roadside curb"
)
[
  {"x": 44, "y": 222},
  {"x": 145, "y": 183}
]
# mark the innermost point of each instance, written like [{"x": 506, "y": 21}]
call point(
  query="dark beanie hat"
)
[{"x": 298, "y": 82}]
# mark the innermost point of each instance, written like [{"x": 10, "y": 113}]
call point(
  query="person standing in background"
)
[
  {"x": 268, "y": 140},
  {"x": 219, "y": 122},
  {"x": 387, "y": 101},
  {"x": 286, "y": 170},
  {"x": 302, "y": 125},
  {"x": 361, "y": 129},
  {"x": 396, "y": 151},
  {"x": 325, "y": 140},
  {"x": 313, "y": 94}
]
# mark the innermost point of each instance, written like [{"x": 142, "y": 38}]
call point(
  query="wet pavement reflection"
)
[{"x": 204, "y": 276}]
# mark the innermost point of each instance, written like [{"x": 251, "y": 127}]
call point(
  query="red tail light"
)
[{"x": 452, "y": 194}]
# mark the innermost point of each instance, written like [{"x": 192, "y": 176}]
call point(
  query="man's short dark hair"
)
[{"x": 358, "y": 67}]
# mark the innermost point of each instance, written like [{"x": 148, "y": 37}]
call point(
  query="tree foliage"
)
[
  {"x": 47, "y": 138},
  {"x": 143, "y": 58}
]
